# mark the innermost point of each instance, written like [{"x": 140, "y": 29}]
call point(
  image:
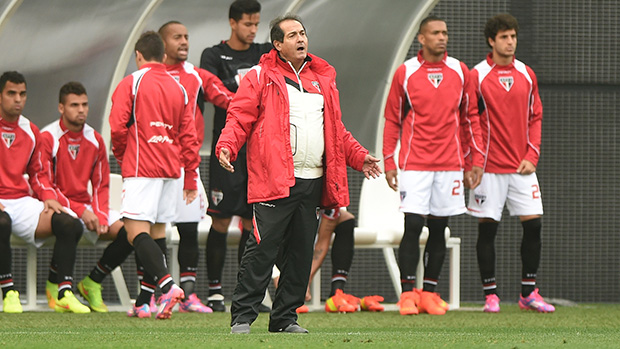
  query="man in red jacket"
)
[
  {"x": 430, "y": 111},
  {"x": 153, "y": 136},
  {"x": 288, "y": 111},
  {"x": 511, "y": 119}
]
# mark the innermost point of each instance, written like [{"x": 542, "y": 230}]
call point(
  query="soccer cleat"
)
[
  {"x": 91, "y": 291},
  {"x": 12, "y": 303},
  {"x": 51, "y": 292},
  {"x": 194, "y": 305},
  {"x": 302, "y": 310},
  {"x": 371, "y": 303},
  {"x": 429, "y": 303},
  {"x": 216, "y": 302},
  {"x": 70, "y": 304},
  {"x": 535, "y": 302},
  {"x": 491, "y": 304},
  {"x": 338, "y": 304},
  {"x": 142, "y": 312},
  {"x": 152, "y": 304},
  {"x": 441, "y": 302},
  {"x": 168, "y": 300},
  {"x": 408, "y": 303},
  {"x": 354, "y": 301}
]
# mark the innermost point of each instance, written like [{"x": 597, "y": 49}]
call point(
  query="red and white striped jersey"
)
[
  {"x": 19, "y": 157},
  {"x": 201, "y": 86},
  {"x": 152, "y": 125},
  {"x": 72, "y": 160},
  {"x": 510, "y": 114},
  {"x": 430, "y": 108}
]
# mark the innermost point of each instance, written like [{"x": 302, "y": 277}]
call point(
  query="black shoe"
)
[
  {"x": 263, "y": 308},
  {"x": 243, "y": 328},
  {"x": 292, "y": 328},
  {"x": 216, "y": 302}
]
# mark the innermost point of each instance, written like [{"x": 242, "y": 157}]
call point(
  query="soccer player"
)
[
  {"x": 23, "y": 215},
  {"x": 200, "y": 86},
  {"x": 428, "y": 109},
  {"x": 153, "y": 136},
  {"x": 74, "y": 155},
  {"x": 290, "y": 173},
  {"x": 511, "y": 119},
  {"x": 230, "y": 60}
]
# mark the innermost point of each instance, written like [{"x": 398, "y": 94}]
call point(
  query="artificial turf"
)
[{"x": 583, "y": 326}]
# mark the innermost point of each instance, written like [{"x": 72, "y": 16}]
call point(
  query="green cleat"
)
[
  {"x": 51, "y": 291},
  {"x": 12, "y": 303},
  {"x": 91, "y": 291},
  {"x": 70, "y": 304}
]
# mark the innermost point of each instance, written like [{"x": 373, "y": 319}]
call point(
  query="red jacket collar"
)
[{"x": 492, "y": 63}]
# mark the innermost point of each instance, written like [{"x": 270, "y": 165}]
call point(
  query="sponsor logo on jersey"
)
[
  {"x": 435, "y": 79},
  {"x": 74, "y": 149},
  {"x": 480, "y": 199},
  {"x": 506, "y": 82},
  {"x": 8, "y": 138},
  {"x": 160, "y": 124},
  {"x": 316, "y": 85},
  {"x": 160, "y": 139},
  {"x": 217, "y": 196},
  {"x": 226, "y": 58},
  {"x": 267, "y": 204}
]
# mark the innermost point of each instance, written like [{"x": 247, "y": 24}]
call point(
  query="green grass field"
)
[{"x": 583, "y": 326}]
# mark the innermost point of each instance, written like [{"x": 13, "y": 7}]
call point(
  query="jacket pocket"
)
[{"x": 293, "y": 139}]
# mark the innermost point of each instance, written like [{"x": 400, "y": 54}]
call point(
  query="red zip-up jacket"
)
[
  {"x": 152, "y": 126},
  {"x": 72, "y": 159},
  {"x": 431, "y": 109},
  {"x": 510, "y": 115},
  {"x": 259, "y": 114}
]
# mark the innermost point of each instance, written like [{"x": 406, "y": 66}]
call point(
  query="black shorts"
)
[{"x": 228, "y": 192}]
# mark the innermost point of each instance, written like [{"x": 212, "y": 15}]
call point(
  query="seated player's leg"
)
[{"x": 10, "y": 296}]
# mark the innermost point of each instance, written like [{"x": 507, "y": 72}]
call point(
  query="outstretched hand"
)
[
  {"x": 225, "y": 160},
  {"x": 370, "y": 167}
]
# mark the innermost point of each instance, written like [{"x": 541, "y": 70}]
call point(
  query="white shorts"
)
[
  {"x": 90, "y": 235},
  {"x": 520, "y": 193},
  {"x": 438, "y": 193},
  {"x": 196, "y": 210},
  {"x": 149, "y": 199},
  {"x": 25, "y": 213}
]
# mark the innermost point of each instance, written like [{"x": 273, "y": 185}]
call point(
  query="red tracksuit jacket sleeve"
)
[
  {"x": 215, "y": 91},
  {"x": 471, "y": 134},
  {"x": 122, "y": 111},
  {"x": 190, "y": 147},
  {"x": 40, "y": 171},
  {"x": 535, "y": 122},
  {"x": 100, "y": 181},
  {"x": 394, "y": 109}
]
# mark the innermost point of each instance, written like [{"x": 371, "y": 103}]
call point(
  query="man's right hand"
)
[
  {"x": 225, "y": 160},
  {"x": 391, "y": 177},
  {"x": 91, "y": 221},
  {"x": 51, "y": 204}
]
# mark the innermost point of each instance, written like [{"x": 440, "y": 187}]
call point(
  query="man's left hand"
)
[
  {"x": 472, "y": 177},
  {"x": 370, "y": 167},
  {"x": 189, "y": 195},
  {"x": 526, "y": 168}
]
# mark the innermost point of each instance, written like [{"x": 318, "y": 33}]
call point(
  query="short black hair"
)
[
  {"x": 277, "y": 34},
  {"x": 12, "y": 76},
  {"x": 151, "y": 46},
  {"x": 162, "y": 29},
  {"x": 498, "y": 23},
  {"x": 431, "y": 18},
  {"x": 241, "y": 7},
  {"x": 72, "y": 87}
]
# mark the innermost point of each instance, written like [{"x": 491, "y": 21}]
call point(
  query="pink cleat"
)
[
  {"x": 491, "y": 305},
  {"x": 168, "y": 300},
  {"x": 535, "y": 302},
  {"x": 141, "y": 312},
  {"x": 152, "y": 304},
  {"x": 194, "y": 305}
]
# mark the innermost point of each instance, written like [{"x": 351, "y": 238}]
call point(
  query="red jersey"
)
[
  {"x": 73, "y": 159},
  {"x": 510, "y": 114},
  {"x": 152, "y": 126},
  {"x": 429, "y": 108},
  {"x": 200, "y": 85},
  {"x": 19, "y": 157}
]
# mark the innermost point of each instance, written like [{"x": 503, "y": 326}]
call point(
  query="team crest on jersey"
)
[
  {"x": 507, "y": 82},
  {"x": 480, "y": 199},
  {"x": 74, "y": 149},
  {"x": 8, "y": 138},
  {"x": 316, "y": 85},
  {"x": 435, "y": 79},
  {"x": 217, "y": 196}
]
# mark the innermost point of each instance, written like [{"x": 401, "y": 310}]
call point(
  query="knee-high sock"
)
[
  {"x": 409, "y": 251},
  {"x": 153, "y": 260},
  {"x": 530, "y": 254},
  {"x": 188, "y": 255},
  {"x": 112, "y": 257},
  {"x": 216, "y": 255},
  {"x": 435, "y": 252},
  {"x": 68, "y": 232},
  {"x": 342, "y": 254},
  {"x": 485, "y": 250},
  {"x": 6, "y": 256}
]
